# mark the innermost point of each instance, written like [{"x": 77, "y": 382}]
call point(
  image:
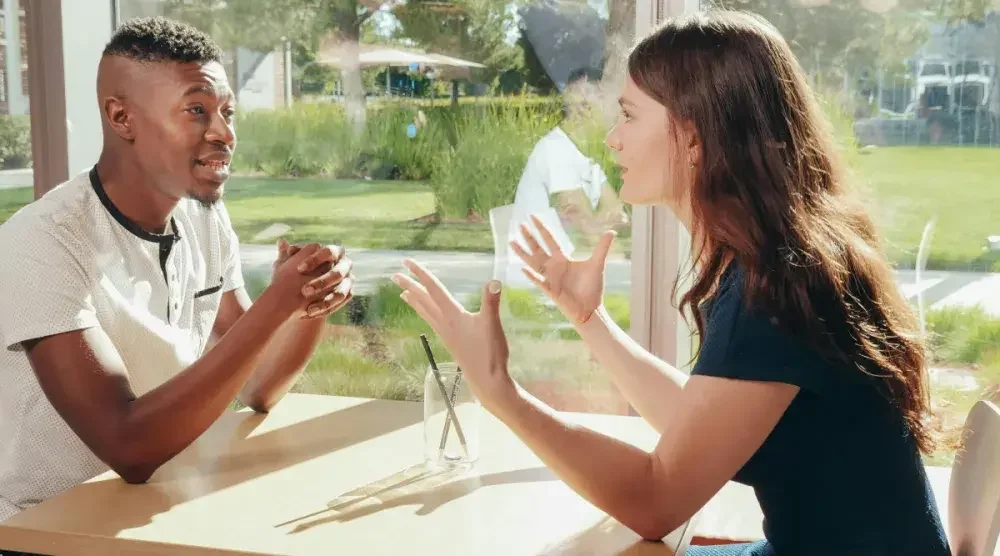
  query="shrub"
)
[
  {"x": 963, "y": 335},
  {"x": 15, "y": 142},
  {"x": 483, "y": 169}
]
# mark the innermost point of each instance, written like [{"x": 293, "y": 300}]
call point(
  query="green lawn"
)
[
  {"x": 11, "y": 200},
  {"x": 364, "y": 214},
  {"x": 958, "y": 186}
]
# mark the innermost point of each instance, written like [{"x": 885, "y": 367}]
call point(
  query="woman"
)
[{"x": 809, "y": 384}]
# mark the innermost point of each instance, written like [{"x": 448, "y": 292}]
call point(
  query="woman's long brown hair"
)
[{"x": 770, "y": 194}]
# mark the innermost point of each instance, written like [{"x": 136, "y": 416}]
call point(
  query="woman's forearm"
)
[
  {"x": 648, "y": 383},
  {"x": 615, "y": 476}
]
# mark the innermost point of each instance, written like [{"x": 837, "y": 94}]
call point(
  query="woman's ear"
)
[{"x": 693, "y": 144}]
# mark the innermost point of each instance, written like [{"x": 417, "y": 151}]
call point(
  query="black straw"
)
[{"x": 427, "y": 349}]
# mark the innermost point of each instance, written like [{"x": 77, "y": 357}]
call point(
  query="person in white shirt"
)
[
  {"x": 560, "y": 184},
  {"x": 125, "y": 327}
]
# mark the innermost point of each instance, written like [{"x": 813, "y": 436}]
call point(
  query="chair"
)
[
  {"x": 500, "y": 218},
  {"x": 974, "y": 488},
  {"x": 503, "y": 221}
]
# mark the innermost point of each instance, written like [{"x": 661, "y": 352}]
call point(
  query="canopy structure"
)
[{"x": 373, "y": 55}]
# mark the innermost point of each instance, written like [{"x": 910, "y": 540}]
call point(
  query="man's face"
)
[{"x": 184, "y": 136}]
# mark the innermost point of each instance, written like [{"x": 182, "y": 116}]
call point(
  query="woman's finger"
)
[
  {"x": 534, "y": 262},
  {"x": 435, "y": 289},
  {"x": 533, "y": 247},
  {"x": 418, "y": 294},
  {"x": 538, "y": 280},
  {"x": 547, "y": 237},
  {"x": 416, "y": 302}
]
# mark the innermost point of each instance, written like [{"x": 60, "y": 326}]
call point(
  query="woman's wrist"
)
[
  {"x": 598, "y": 320},
  {"x": 503, "y": 396}
]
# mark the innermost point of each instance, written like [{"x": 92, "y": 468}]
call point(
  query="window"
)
[
  {"x": 917, "y": 113},
  {"x": 427, "y": 130},
  {"x": 15, "y": 122}
]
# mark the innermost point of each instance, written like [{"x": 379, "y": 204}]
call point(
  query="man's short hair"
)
[
  {"x": 159, "y": 39},
  {"x": 583, "y": 74}
]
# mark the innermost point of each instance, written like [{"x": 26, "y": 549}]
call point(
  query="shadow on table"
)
[
  {"x": 226, "y": 455},
  {"x": 419, "y": 486},
  {"x": 607, "y": 536}
]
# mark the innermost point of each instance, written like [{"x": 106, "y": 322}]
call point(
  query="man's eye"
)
[{"x": 197, "y": 110}]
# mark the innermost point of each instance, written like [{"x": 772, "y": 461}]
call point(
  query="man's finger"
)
[
  {"x": 302, "y": 253},
  {"x": 332, "y": 307},
  {"x": 327, "y": 254},
  {"x": 316, "y": 308},
  {"x": 329, "y": 279}
]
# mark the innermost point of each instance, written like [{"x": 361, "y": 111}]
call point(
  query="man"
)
[
  {"x": 560, "y": 184},
  {"x": 116, "y": 282}
]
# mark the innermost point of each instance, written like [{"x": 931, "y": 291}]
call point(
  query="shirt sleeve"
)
[
  {"x": 232, "y": 267},
  {"x": 568, "y": 168},
  {"x": 748, "y": 344},
  {"x": 46, "y": 290}
]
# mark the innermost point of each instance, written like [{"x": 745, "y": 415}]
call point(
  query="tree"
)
[
  {"x": 475, "y": 30},
  {"x": 262, "y": 25},
  {"x": 258, "y": 25}
]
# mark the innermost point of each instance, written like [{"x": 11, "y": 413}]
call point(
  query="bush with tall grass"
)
[
  {"x": 482, "y": 170},
  {"x": 960, "y": 335},
  {"x": 15, "y": 142}
]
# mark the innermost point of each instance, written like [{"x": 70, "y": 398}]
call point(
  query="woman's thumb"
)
[
  {"x": 604, "y": 246},
  {"x": 491, "y": 300}
]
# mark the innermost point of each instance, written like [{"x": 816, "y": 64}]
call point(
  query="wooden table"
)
[{"x": 332, "y": 475}]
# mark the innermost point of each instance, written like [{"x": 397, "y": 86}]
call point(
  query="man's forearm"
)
[
  {"x": 284, "y": 359},
  {"x": 164, "y": 421},
  {"x": 647, "y": 382}
]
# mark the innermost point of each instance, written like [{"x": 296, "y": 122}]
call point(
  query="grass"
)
[
  {"x": 969, "y": 340},
  {"x": 360, "y": 214},
  {"x": 12, "y": 200},
  {"x": 957, "y": 186}
]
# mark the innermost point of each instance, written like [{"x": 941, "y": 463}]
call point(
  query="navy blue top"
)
[{"x": 839, "y": 474}]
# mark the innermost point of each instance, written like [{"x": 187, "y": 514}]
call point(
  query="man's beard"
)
[{"x": 206, "y": 200}]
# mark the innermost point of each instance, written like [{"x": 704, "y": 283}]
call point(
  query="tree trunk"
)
[
  {"x": 346, "y": 33},
  {"x": 236, "y": 74},
  {"x": 618, "y": 38},
  {"x": 354, "y": 89}
]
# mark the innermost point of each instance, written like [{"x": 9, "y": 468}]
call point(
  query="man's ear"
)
[{"x": 119, "y": 117}]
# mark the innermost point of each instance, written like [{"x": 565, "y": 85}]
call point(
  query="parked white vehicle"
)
[{"x": 972, "y": 84}]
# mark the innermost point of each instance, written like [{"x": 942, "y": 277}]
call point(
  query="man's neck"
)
[{"x": 134, "y": 193}]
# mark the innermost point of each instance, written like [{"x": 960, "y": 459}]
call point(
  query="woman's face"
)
[{"x": 654, "y": 170}]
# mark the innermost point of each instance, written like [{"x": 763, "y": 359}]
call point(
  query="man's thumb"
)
[{"x": 282, "y": 248}]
